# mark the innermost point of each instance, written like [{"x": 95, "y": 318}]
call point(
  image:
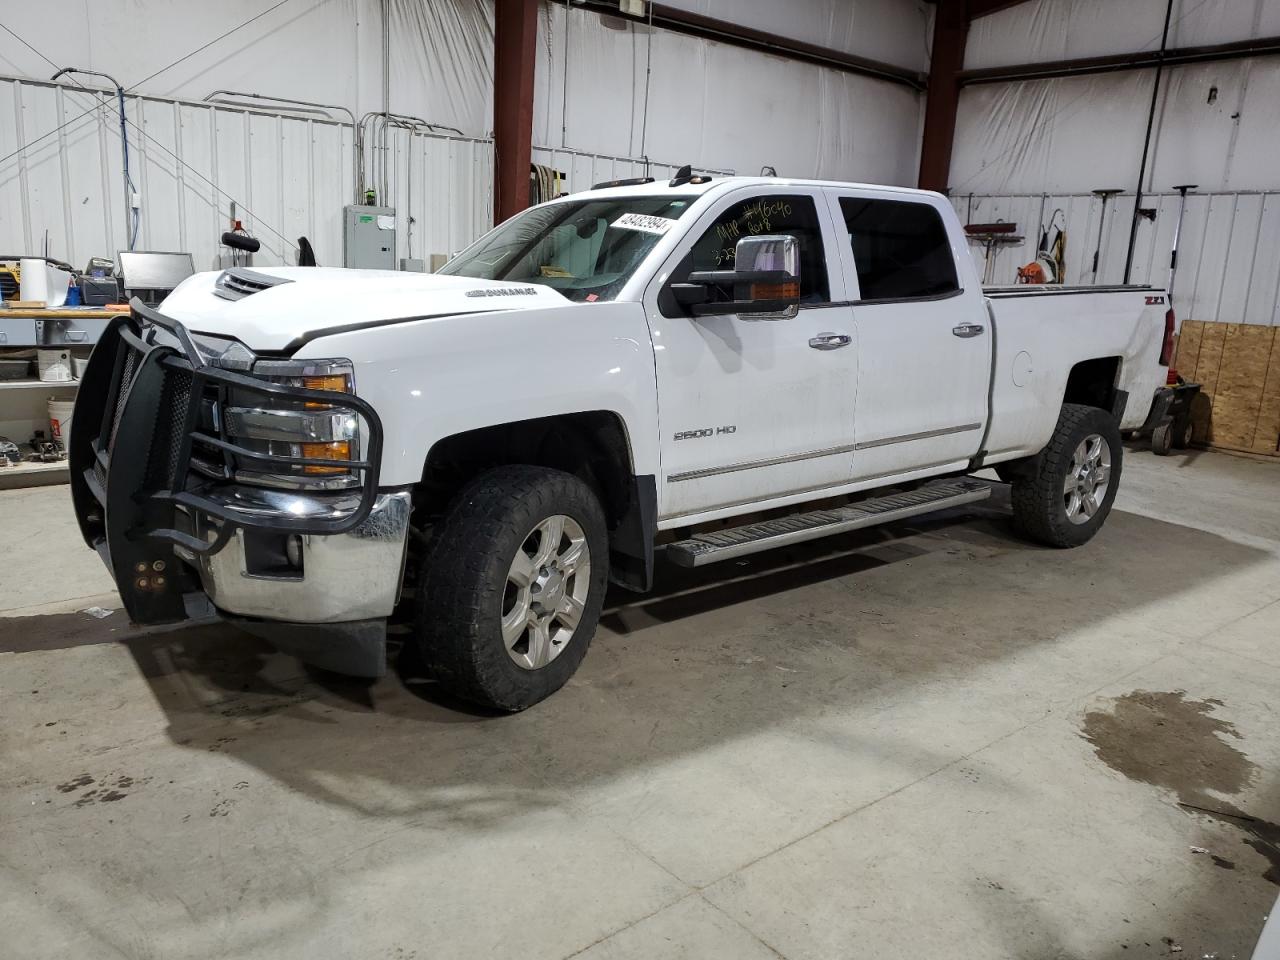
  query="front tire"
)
[
  {"x": 1066, "y": 495},
  {"x": 512, "y": 587}
]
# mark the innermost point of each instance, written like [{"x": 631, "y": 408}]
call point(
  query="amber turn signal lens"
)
[
  {"x": 335, "y": 450},
  {"x": 789, "y": 290},
  {"x": 331, "y": 381}
]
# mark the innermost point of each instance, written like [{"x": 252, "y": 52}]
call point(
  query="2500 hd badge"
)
[{"x": 705, "y": 432}]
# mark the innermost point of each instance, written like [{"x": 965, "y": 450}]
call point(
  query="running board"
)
[{"x": 739, "y": 541}]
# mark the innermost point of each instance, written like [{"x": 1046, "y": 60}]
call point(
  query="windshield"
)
[{"x": 586, "y": 249}]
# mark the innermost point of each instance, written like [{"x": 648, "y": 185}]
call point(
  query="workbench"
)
[{"x": 23, "y": 403}]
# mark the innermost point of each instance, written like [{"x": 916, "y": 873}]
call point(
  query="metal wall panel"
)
[
  {"x": 289, "y": 176},
  {"x": 1228, "y": 258}
]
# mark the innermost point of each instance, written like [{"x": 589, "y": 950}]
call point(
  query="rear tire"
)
[
  {"x": 512, "y": 587},
  {"x": 1066, "y": 495}
]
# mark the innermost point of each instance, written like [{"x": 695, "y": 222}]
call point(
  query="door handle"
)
[
  {"x": 75, "y": 336},
  {"x": 967, "y": 330},
  {"x": 830, "y": 341}
]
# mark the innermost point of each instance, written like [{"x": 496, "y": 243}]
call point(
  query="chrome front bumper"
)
[{"x": 345, "y": 577}]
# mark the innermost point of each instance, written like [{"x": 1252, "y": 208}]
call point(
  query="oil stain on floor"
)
[{"x": 1168, "y": 741}]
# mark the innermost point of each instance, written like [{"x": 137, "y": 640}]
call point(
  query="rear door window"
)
[{"x": 900, "y": 249}]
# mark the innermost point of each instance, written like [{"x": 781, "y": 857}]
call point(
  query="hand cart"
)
[{"x": 1169, "y": 422}]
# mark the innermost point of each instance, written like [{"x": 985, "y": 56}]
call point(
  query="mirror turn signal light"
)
[
  {"x": 787, "y": 290},
  {"x": 333, "y": 450}
]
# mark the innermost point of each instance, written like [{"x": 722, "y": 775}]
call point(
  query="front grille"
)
[
  {"x": 162, "y": 449},
  {"x": 129, "y": 368},
  {"x": 167, "y": 437}
]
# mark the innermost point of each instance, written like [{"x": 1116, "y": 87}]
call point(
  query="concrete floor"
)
[{"x": 931, "y": 741}]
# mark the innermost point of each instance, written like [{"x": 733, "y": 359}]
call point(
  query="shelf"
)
[{"x": 30, "y": 384}]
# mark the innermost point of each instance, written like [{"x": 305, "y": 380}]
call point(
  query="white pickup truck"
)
[{"x": 601, "y": 381}]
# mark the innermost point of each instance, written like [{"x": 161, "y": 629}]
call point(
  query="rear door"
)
[{"x": 924, "y": 338}]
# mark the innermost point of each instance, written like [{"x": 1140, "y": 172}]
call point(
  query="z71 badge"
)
[
  {"x": 1155, "y": 301},
  {"x": 704, "y": 432}
]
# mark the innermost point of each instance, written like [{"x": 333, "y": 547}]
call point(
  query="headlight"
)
[{"x": 282, "y": 426}]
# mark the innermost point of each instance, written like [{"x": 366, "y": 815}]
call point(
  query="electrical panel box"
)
[{"x": 369, "y": 237}]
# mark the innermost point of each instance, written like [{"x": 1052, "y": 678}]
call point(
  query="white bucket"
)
[
  {"x": 43, "y": 282},
  {"x": 54, "y": 365},
  {"x": 60, "y": 421},
  {"x": 78, "y": 367}
]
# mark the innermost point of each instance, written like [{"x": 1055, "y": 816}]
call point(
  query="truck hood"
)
[{"x": 281, "y": 308}]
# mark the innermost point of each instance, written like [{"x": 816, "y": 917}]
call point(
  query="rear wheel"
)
[
  {"x": 1066, "y": 495},
  {"x": 512, "y": 588}
]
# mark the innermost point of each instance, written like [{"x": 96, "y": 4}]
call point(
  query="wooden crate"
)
[{"x": 1238, "y": 368}]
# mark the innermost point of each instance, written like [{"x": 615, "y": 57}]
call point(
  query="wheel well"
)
[
  {"x": 1093, "y": 383},
  {"x": 592, "y": 446}
]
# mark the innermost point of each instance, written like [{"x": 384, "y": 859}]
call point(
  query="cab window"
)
[
  {"x": 794, "y": 216},
  {"x": 900, "y": 249}
]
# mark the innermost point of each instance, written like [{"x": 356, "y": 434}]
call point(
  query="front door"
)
[
  {"x": 924, "y": 338},
  {"x": 752, "y": 409}
]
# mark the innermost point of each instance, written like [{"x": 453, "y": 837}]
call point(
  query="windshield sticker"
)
[{"x": 643, "y": 222}]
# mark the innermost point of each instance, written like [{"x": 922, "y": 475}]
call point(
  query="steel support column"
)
[
  {"x": 515, "y": 34},
  {"x": 950, "y": 32}
]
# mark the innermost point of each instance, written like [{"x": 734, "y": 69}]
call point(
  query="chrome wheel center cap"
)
[{"x": 547, "y": 590}]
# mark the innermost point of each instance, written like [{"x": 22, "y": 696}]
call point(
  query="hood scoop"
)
[{"x": 237, "y": 283}]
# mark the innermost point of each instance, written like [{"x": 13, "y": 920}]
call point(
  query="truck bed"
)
[{"x": 1042, "y": 331}]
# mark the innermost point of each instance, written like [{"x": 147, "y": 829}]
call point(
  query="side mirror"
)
[{"x": 764, "y": 284}]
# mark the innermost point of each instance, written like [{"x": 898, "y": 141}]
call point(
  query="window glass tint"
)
[
  {"x": 900, "y": 249},
  {"x": 792, "y": 216}
]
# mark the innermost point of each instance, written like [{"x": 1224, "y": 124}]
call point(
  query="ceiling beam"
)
[{"x": 1144, "y": 60}]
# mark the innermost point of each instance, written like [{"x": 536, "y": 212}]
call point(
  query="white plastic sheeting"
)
[
  {"x": 442, "y": 62},
  {"x": 1042, "y": 30},
  {"x": 1064, "y": 136},
  {"x": 441, "y": 51},
  {"x": 891, "y": 31},
  {"x": 1228, "y": 258},
  {"x": 1215, "y": 122},
  {"x": 718, "y": 106},
  {"x": 1215, "y": 125},
  {"x": 288, "y": 175}
]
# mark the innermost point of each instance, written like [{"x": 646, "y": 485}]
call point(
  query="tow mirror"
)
[{"x": 764, "y": 284}]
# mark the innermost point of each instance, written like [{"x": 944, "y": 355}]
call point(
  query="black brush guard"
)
[{"x": 136, "y": 495}]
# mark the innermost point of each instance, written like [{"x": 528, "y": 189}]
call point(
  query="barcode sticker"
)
[{"x": 643, "y": 223}]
